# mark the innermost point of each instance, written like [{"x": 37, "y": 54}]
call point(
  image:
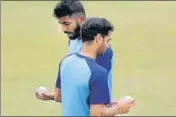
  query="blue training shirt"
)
[
  {"x": 105, "y": 61},
  {"x": 82, "y": 82}
]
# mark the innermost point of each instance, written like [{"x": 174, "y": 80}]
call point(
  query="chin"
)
[{"x": 73, "y": 37}]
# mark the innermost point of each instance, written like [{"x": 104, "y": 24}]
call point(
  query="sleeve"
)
[
  {"x": 99, "y": 91},
  {"x": 58, "y": 80}
]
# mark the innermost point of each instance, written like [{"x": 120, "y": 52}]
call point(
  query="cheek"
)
[
  {"x": 106, "y": 45},
  {"x": 102, "y": 47},
  {"x": 72, "y": 26}
]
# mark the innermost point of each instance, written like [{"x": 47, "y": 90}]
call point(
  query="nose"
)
[{"x": 64, "y": 28}]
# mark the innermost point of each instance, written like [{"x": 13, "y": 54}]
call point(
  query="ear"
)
[
  {"x": 97, "y": 38},
  {"x": 81, "y": 19}
]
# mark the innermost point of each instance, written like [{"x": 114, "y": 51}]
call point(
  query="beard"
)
[
  {"x": 100, "y": 53},
  {"x": 101, "y": 50},
  {"x": 76, "y": 33}
]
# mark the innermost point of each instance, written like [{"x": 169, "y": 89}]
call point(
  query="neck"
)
[
  {"x": 79, "y": 38},
  {"x": 88, "y": 51}
]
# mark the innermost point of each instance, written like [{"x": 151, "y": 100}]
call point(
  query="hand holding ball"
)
[
  {"x": 41, "y": 90},
  {"x": 129, "y": 100}
]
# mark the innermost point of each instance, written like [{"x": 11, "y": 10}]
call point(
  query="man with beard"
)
[{"x": 71, "y": 16}]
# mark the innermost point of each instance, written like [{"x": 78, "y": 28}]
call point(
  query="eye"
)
[{"x": 66, "y": 24}]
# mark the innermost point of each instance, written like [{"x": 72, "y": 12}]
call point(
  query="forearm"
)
[
  {"x": 57, "y": 99},
  {"x": 53, "y": 96},
  {"x": 50, "y": 95},
  {"x": 111, "y": 111},
  {"x": 105, "y": 111}
]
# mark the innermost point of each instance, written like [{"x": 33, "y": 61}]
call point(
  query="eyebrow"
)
[{"x": 64, "y": 22}]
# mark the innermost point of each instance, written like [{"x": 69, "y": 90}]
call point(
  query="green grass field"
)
[{"x": 144, "y": 43}]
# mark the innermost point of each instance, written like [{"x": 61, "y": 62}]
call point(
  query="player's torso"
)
[
  {"x": 75, "y": 75},
  {"x": 105, "y": 61}
]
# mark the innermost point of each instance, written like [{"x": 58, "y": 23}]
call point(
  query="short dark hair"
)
[
  {"x": 69, "y": 8},
  {"x": 94, "y": 26}
]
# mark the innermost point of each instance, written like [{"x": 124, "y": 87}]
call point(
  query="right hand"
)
[
  {"x": 41, "y": 97},
  {"x": 124, "y": 106}
]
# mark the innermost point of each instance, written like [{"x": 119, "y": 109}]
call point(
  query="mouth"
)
[{"x": 69, "y": 34}]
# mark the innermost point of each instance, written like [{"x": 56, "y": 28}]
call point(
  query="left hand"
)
[{"x": 41, "y": 97}]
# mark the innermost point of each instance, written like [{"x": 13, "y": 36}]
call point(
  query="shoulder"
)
[
  {"x": 67, "y": 58},
  {"x": 93, "y": 66},
  {"x": 98, "y": 72}
]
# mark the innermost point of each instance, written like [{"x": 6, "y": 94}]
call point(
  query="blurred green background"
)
[{"x": 144, "y": 43}]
